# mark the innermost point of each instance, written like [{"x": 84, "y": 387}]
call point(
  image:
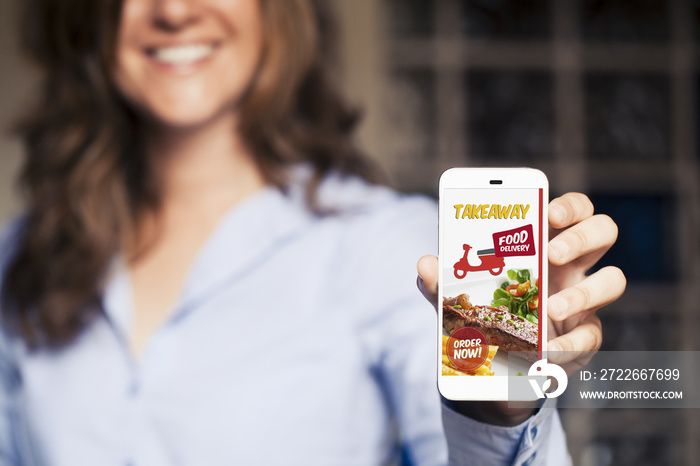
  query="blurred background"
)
[{"x": 601, "y": 95}]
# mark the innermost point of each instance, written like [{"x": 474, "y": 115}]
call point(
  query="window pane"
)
[
  {"x": 510, "y": 115},
  {"x": 649, "y": 330},
  {"x": 411, "y": 111},
  {"x": 625, "y": 20},
  {"x": 628, "y": 116},
  {"x": 408, "y": 18},
  {"x": 646, "y": 247},
  {"x": 506, "y": 19}
]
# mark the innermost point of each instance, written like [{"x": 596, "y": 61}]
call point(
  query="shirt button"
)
[
  {"x": 132, "y": 391},
  {"x": 529, "y": 461}
]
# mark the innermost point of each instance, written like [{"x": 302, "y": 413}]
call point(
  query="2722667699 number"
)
[{"x": 639, "y": 374}]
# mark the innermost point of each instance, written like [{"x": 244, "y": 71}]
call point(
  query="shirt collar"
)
[{"x": 243, "y": 239}]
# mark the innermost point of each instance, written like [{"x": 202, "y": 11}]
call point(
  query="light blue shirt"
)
[{"x": 297, "y": 340}]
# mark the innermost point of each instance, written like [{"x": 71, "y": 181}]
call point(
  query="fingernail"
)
[
  {"x": 559, "y": 248},
  {"x": 553, "y": 351},
  {"x": 557, "y": 213},
  {"x": 557, "y": 307}
]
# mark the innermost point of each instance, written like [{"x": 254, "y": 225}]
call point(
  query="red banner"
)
[{"x": 515, "y": 242}]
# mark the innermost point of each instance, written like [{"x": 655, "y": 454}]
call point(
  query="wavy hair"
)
[{"x": 85, "y": 180}]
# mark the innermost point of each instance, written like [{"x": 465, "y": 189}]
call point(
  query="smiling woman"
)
[
  {"x": 184, "y": 63},
  {"x": 194, "y": 208},
  {"x": 117, "y": 96}
]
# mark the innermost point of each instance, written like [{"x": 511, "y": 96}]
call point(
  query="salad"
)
[{"x": 522, "y": 297}]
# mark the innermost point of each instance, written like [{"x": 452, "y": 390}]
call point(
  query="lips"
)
[{"x": 181, "y": 55}]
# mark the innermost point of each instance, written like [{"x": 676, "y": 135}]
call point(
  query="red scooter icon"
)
[{"x": 489, "y": 261}]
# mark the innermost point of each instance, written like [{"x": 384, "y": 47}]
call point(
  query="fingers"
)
[
  {"x": 581, "y": 341},
  {"x": 583, "y": 241},
  {"x": 595, "y": 291},
  {"x": 569, "y": 209},
  {"x": 594, "y": 234},
  {"x": 428, "y": 277}
]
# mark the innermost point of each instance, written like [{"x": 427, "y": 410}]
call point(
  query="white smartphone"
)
[{"x": 492, "y": 286}]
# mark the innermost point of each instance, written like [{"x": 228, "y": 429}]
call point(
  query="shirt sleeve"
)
[
  {"x": 9, "y": 376},
  {"x": 539, "y": 440},
  {"x": 9, "y": 455}
]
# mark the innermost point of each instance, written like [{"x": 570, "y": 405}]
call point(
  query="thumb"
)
[{"x": 428, "y": 277}]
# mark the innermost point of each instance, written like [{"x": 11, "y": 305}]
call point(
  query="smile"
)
[{"x": 179, "y": 55}]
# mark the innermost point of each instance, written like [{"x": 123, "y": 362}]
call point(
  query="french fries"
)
[{"x": 449, "y": 369}]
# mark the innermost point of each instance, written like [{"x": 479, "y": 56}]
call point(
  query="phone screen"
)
[{"x": 492, "y": 272}]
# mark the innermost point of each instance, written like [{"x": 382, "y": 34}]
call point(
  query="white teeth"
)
[{"x": 183, "y": 54}]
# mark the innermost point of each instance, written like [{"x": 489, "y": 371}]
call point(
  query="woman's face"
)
[{"x": 187, "y": 62}]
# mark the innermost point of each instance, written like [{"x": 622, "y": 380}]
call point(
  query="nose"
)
[{"x": 174, "y": 14}]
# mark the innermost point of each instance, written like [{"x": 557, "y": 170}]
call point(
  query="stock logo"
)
[{"x": 543, "y": 369}]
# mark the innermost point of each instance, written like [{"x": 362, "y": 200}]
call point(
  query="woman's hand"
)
[{"x": 578, "y": 240}]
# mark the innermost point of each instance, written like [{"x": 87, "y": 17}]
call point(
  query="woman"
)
[{"x": 203, "y": 274}]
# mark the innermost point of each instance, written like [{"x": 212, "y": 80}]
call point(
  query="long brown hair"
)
[{"x": 85, "y": 179}]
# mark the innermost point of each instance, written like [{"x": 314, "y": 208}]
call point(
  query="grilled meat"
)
[{"x": 502, "y": 328}]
